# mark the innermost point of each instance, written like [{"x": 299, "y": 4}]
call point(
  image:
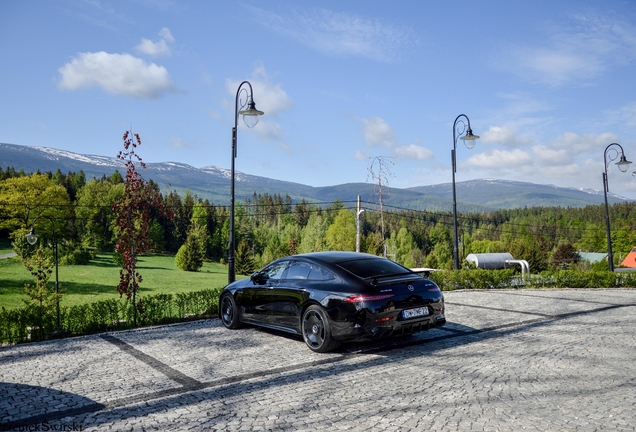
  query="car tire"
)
[
  {"x": 228, "y": 312},
  {"x": 316, "y": 330}
]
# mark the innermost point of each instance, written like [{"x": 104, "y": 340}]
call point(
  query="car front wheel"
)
[
  {"x": 316, "y": 330},
  {"x": 228, "y": 311}
]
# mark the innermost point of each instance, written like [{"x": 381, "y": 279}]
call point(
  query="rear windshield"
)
[{"x": 373, "y": 267}]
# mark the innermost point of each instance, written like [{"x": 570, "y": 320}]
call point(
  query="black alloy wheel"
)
[
  {"x": 228, "y": 311},
  {"x": 316, "y": 330}
]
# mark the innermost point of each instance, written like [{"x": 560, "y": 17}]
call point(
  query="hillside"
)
[{"x": 213, "y": 183}]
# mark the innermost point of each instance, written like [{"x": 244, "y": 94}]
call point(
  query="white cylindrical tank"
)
[{"x": 490, "y": 261}]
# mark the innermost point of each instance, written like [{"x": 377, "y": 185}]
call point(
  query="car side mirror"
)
[{"x": 257, "y": 278}]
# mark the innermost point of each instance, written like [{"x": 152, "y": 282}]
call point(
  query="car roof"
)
[{"x": 335, "y": 256}]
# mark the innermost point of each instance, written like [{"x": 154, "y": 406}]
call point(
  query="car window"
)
[
  {"x": 373, "y": 267},
  {"x": 298, "y": 270},
  {"x": 319, "y": 273},
  {"x": 275, "y": 271}
]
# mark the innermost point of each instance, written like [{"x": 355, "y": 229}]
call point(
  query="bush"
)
[
  {"x": 508, "y": 278},
  {"x": 189, "y": 256},
  {"x": 29, "y": 324},
  {"x": 77, "y": 257},
  {"x": 474, "y": 279}
]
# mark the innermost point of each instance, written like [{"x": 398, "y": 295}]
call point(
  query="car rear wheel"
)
[
  {"x": 316, "y": 330},
  {"x": 228, "y": 311}
]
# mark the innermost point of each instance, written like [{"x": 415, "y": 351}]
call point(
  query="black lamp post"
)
[
  {"x": 250, "y": 117},
  {"x": 32, "y": 238},
  {"x": 623, "y": 165},
  {"x": 469, "y": 141}
]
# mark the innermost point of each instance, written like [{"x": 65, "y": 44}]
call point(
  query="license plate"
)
[{"x": 412, "y": 313}]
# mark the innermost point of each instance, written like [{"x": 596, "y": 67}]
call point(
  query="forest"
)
[{"x": 79, "y": 212}]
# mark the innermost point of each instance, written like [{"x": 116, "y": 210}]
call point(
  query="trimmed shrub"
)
[{"x": 29, "y": 324}]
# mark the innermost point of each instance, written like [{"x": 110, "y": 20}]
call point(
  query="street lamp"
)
[
  {"x": 32, "y": 238},
  {"x": 623, "y": 165},
  {"x": 250, "y": 117},
  {"x": 469, "y": 141},
  {"x": 358, "y": 213}
]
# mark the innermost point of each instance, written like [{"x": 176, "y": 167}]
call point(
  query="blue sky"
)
[{"x": 548, "y": 85}]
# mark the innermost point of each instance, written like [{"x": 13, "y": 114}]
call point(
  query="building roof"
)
[
  {"x": 593, "y": 257},
  {"x": 630, "y": 259}
]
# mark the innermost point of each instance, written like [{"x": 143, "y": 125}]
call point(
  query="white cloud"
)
[
  {"x": 178, "y": 143},
  {"x": 414, "y": 151},
  {"x": 338, "y": 33},
  {"x": 499, "y": 159},
  {"x": 153, "y": 49},
  {"x": 377, "y": 133},
  {"x": 546, "y": 156},
  {"x": 503, "y": 136},
  {"x": 577, "y": 51},
  {"x": 624, "y": 115},
  {"x": 361, "y": 155},
  {"x": 166, "y": 34},
  {"x": 268, "y": 130},
  {"x": 156, "y": 49},
  {"x": 117, "y": 74},
  {"x": 576, "y": 144},
  {"x": 269, "y": 98}
]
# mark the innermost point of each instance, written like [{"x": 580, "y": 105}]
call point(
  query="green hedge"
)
[
  {"x": 29, "y": 324},
  {"x": 26, "y": 324},
  {"x": 500, "y": 279}
]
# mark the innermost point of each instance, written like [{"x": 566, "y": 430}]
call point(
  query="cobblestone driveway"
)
[{"x": 507, "y": 360}]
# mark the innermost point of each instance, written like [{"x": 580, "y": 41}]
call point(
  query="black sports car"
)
[{"x": 331, "y": 297}]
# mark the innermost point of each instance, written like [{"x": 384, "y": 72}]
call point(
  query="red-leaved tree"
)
[{"x": 133, "y": 219}]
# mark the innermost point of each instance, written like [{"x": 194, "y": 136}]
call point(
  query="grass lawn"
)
[{"x": 98, "y": 281}]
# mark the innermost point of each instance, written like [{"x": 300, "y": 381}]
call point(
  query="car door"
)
[
  {"x": 288, "y": 296},
  {"x": 256, "y": 297}
]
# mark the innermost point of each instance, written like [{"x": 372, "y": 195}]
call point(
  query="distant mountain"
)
[{"x": 213, "y": 183}]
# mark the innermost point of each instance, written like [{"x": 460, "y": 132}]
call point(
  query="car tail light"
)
[
  {"x": 362, "y": 298},
  {"x": 435, "y": 289},
  {"x": 384, "y": 319}
]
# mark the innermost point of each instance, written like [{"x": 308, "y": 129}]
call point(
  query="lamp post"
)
[
  {"x": 359, "y": 211},
  {"x": 250, "y": 117},
  {"x": 469, "y": 141},
  {"x": 32, "y": 238},
  {"x": 623, "y": 165}
]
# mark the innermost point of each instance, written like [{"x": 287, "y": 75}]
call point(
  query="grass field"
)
[{"x": 98, "y": 281}]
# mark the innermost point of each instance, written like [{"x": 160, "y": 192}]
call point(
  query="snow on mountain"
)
[{"x": 91, "y": 159}]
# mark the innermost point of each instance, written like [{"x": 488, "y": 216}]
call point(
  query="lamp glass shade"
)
[
  {"x": 251, "y": 114},
  {"x": 469, "y": 139},
  {"x": 250, "y": 120},
  {"x": 623, "y": 164},
  {"x": 32, "y": 237}
]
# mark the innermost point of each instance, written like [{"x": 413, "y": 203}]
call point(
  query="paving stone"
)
[{"x": 507, "y": 360}]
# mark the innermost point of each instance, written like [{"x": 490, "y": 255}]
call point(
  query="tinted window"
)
[
  {"x": 274, "y": 271},
  {"x": 372, "y": 267},
  {"x": 298, "y": 270},
  {"x": 319, "y": 273}
]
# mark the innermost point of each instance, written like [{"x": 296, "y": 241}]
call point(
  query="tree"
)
[
  {"x": 22, "y": 199},
  {"x": 380, "y": 171},
  {"x": 301, "y": 213},
  {"x": 190, "y": 256},
  {"x": 341, "y": 235},
  {"x": 133, "y": 220},
  {"x": 94, "y": 212},
  {"x": 245, "y": 264},
  {"x": 405, "y": 248},
  {"x": 565, "y": 255},
  {"x": 40, "y": 265}
]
